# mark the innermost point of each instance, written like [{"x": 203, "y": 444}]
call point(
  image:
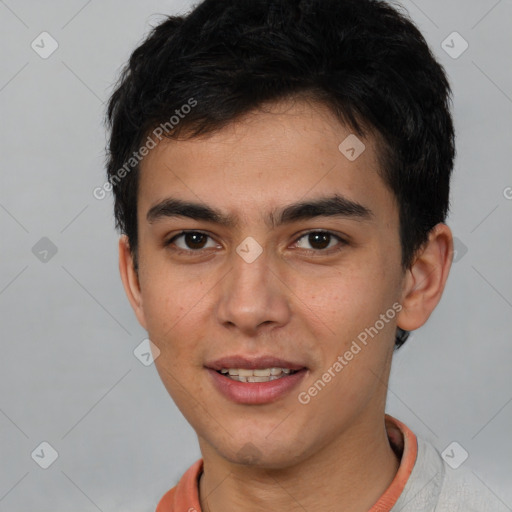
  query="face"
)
[{"x": 300, "y": 285}]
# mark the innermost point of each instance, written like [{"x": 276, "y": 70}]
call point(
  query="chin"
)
[{"x": 263, "y": 455}]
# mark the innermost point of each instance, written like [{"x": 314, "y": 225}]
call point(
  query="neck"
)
[{"x": 350, "y": 473}]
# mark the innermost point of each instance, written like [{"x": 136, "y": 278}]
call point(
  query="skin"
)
[{"x": 291, "y": 302}]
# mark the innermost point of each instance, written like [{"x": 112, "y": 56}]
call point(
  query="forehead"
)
[{"x": 286, "y": 152}]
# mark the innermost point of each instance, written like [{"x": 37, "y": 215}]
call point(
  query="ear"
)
[
  {"x": 130, "y": 279},
  {"x": 425, "y": 280}
]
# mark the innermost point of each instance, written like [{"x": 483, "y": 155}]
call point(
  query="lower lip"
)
[{"x": 256, "y": 392}]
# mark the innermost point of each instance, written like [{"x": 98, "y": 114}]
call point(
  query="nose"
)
[{"x": 253, "y": 295}]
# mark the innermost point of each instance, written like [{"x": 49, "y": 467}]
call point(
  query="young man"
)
[{"x": 281, "y": 176}]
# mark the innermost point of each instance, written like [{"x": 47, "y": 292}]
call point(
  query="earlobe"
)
[
  {"x": 130, "y": 279},
  {"x": 425, "y": 280}
]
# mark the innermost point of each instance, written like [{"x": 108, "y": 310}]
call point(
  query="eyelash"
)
[{"x": 192, "y": 252}]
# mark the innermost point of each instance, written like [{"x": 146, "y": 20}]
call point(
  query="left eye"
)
[{"x": 320, "y": 240}]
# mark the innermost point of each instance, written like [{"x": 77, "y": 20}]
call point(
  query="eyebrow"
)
[{"x": 334, "y": 206}]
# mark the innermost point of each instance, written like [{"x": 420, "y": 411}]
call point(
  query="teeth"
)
[
  {"x": 256, "y": 379},
  {"x": 256, "y": 375},
  {"x": 262, "y": 373}
]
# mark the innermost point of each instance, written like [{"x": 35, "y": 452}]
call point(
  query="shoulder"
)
[
  {"x": 463, "y": 490},
  {"x": 166, "y": 503},
  {"x": 184, "y": 496},
  {"x": 434, "y": 485}
]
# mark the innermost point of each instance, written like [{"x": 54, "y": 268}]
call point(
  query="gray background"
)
[{"x": 68, "y": 375}]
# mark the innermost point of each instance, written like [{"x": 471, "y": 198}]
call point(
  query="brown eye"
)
[
  {"x": 320, "y": 240},
  {"x": 190, "y": 241},
  {"x": 194, "y": 240}
]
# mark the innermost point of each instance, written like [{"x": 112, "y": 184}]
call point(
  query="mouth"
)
[
  {"x": 255, "y": 381},
  {"x": 256, "y": 375}
]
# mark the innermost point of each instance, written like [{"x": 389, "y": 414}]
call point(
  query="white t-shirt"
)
[{"x": 434, "y": 486}]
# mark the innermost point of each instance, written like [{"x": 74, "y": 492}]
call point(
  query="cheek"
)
[
  {"x": 351, "y": 306},
  {"x": 167, "y": 307},
  {"x": 161, "y": 310},
  {"x": 354, "y": 296},
  {"x": 166, "y": 290}
]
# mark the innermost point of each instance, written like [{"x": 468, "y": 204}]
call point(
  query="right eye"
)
[{"x": 192, "y": 242}]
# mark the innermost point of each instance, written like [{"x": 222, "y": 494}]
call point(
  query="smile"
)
[{"x": 256, "y": 375}]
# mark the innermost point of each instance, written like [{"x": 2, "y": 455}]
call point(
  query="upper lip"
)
[{"x": 252, "y": 363}]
